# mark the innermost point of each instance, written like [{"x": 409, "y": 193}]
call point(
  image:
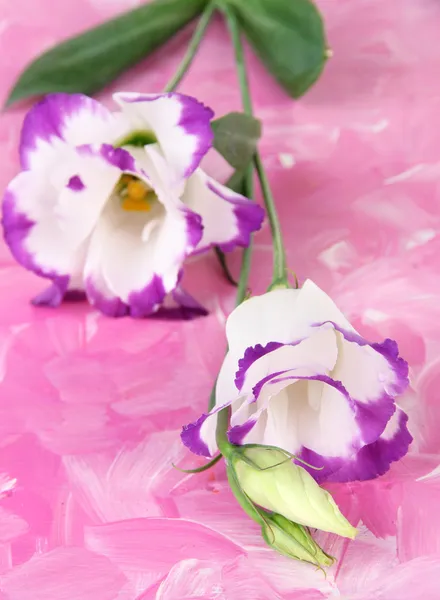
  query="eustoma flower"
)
[
  {"x": 113, "y": 202},
  {"x": 299, "y": 377}
]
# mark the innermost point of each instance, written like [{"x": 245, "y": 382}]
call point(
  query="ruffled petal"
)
[
  {"x": 228, "y": 218},
  {"x": 315, "y": 417},
  {"x": 329, "y": 419},
  {"x": 61, "y": 120},
  {"x": 53, "y": 295},
  {"x": 180, "y": 124},
  {"x": 308, "y": 409},
  {"x": 319, "y": 351},
  {"x": 135, "y": 259},
  {"x": 281, "y": 316},
  {"x": 33, "y": 231},
  {"x": 139, "y": 272},
  {"x": 371, "y": 461},
  {"x": 57, "y": 292},
  {"x": 373, "y": 375},
  {"x": 48, "y": 221},
  {"x": 199, "y": 436}
]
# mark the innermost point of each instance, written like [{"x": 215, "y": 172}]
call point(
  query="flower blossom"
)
[
  {"x": 111, "y": 203},
  {"x": 299, "y": 377}
]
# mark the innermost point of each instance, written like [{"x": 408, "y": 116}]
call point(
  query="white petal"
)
[
  {"x": 318, "y": 352},
  {"x": 140, "y": 256},
  {"x": 308, "y": 409},
  {"x": 281, "y": 316},
  {"x": 78, "y": 210},
  {"x": 366, "y": 373},
  {"x": 226, "y": 389},
  {"x": 180, "y": 124},
  {"x": 58, "y": 122},
  {"x": 281, "y": 428},
  {"x": 229, "y": 219},
  {"x": 34, "y": 232}
]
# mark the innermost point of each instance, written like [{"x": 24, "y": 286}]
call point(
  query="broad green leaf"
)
[
  {"x": 236, "y": 136},
  {"x": 88, "y": 62},
  {"x": 289, "y": 38}
]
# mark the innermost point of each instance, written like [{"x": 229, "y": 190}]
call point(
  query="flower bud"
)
[
  {"x": 271, "y": 480},
  {"x": 293, "y": 540}
]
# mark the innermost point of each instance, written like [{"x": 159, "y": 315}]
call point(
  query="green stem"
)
[
  {"x": 243, "y": 282},
  {"x": 193, "y": 47},
  {"x": 221, "y": 435},
  {"x": 221, "y": 257},
  {"x": 240, "y": 62},
  {"x": 280, "y": 274},
  {"x": 279, "y": 278},
  {"x": 208, "y": 465}
]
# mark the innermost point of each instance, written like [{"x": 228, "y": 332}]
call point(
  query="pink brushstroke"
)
[{"x": 90, "y": 408}]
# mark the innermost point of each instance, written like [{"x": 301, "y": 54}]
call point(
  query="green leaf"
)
[
  {"x": 236, "y": 136},
  {"x": 88, "y": 62},
  {"x": 289, "y": 38},
  {"x": 237, "y": 182}
]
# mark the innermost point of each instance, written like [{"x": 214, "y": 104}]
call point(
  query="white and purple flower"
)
[
  {"x": 112, "y": 203},
  {"x": 298, "y": 376}
]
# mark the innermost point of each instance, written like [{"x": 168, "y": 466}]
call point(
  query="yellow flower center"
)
[{"x": 135, "y": 194}]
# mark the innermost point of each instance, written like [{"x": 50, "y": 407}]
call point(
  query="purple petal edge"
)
[
  {"x": 112, "y": 307},
  {"x": 371, "y": 461},
  {"x": 389, "y": 350},
  {"x": 53, "y": 295},
  {"x": 249, "y": 217},
  {"x": 147, "y": 301},
  {"x": 252, "y": 354},
  {"x": 16, "y": 228},
  {"x": 195, "y": 120},
  {"x": 237, "y": 433},
  {"x": 191, "y": 438},
  {"x": 46, "y": 119}
]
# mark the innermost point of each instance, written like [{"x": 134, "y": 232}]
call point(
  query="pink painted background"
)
[{"x": 90, "y": 408}]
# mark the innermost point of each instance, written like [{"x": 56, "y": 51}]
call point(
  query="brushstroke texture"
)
[{"x": 90, "y": 407}]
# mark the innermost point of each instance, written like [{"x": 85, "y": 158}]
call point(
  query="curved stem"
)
[
  {"x": 280, "y": 274},
  {"x": 208, "y": 465},
  {"x": 279, "y": 278},
  {"x": 193, "y": 47},
  {"x": 224, "y": 266}
]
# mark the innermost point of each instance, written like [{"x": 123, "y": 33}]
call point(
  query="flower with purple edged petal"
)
[
  {"x": 299, "y": 377},
  {"x": 111, "y": 203}
]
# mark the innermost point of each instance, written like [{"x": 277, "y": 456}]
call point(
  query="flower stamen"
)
[{"x": 135, "y": 194}]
